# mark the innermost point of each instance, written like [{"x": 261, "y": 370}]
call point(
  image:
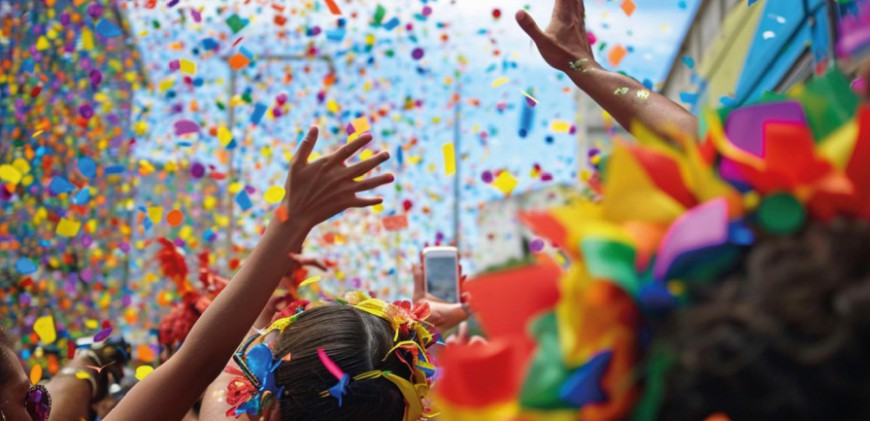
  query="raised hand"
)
[
  {"x": 319, "y": 190},
  {"x": 565, "y": 46},
  {"x": 565, "y": 41},
  {"x": 442, "y": 315}
]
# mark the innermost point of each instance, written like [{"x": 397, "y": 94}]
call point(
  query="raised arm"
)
[
  {"x": 316, "y": 191},
  {"x": 565, "y": 47}
]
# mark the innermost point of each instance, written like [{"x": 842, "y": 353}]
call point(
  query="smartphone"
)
[{"x": 441, "y": 266}]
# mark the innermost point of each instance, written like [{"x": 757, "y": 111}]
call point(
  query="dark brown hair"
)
[
  {"x": 787, "y": 338},
  {"x": 357, "y": 342}
]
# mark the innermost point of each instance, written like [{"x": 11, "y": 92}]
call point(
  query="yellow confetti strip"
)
[
  {"x": 505, "y": 182},
  {"x": 274, "y": 194},
  {"x": 559, "y": 126},
  {"x": 500, "y": 81},
  {"x": 309, "y": 281},
  {"x": 44, "y": 328},
  {"x": 87, "y": 39},
  {"x": 143, "y": 371},
  {"x": 224, "y": 136},
  {"x": 35, "y": 374},
  {"x": 166, "y": 84},
  {"x": 187, "y": 67},
  {"x": 68, "y": 227},
  {"x": 449, "y": 158}
]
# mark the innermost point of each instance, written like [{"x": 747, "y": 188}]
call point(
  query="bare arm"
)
[
  {"x": 214, "y": 406},
  {"x": 73, "y": 389},
  {"x": 71, "y": 397},
  {"x": 315, "y": 192},
  {"x": 565, "y": 42}
]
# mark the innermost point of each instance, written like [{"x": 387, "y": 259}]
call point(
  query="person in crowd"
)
[
  {"x": 316, "y": 191},
  {"x": 77, "y": 388},
  {"x": 785, "y": 335},
  {"x": 363, "y": 342},
  {"x": 565, "y": 46}
]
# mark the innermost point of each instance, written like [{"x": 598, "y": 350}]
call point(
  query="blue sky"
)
[{"x": 377, "y": 75}]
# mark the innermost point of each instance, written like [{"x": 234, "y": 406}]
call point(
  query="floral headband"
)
[{"x": 256, "y": 388}]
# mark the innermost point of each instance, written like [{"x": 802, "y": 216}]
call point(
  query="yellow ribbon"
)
[{"x": 414, "y": 410}]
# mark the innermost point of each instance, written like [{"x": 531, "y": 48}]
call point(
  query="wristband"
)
[{"x": 82, "y": 374}]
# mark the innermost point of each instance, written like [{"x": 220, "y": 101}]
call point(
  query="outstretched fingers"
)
[
  {"x": 373, "y": 183},
  {"x": 364, "y": 202},
  {"x": 364, "y": 167},
  {"x": 530, "y": 27},
  {"x": 348, "y": 149},
  {"x": 307, "y": 146}
]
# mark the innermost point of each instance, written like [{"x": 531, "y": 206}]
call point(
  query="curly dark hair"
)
[{"x": 786, "y": 338}]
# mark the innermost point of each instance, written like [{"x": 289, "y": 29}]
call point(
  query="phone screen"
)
[{"x": 441, "y": 278}]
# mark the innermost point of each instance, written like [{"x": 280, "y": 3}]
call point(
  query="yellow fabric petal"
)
[
  {"x": 632, "y": 196},
  {"x": 498, "y": 412},
  {"x": 569, "y": 314},
  {"x": 837, "y": 148}
]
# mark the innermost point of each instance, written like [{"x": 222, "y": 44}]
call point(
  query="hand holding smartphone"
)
[{"x": 441, "y": 272}]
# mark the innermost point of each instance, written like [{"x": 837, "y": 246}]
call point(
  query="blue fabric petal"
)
[
  {"x": 584, "y": 385},
  {"x": 260, "y": 361},
  {"x": 340, "y": 388}
]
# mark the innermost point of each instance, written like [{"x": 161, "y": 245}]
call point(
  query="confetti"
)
[
  {"x": 44, "y": 328},
  {"x": 361, "y": 125},
  {"x": 239, "y": 61},
  {"x": 103, "y": 334},
  {"x": 309, "y": 281},
  {"x": 68, "y": 227},
  {"x": 449, "y": 159},
  {"x": 187, "y": 67},
  {"x": 274, "y": 194},
  {"x": 616, "y": 55},
  {"x": 174, "y": 218},
  {"x": 25, "y": 266},
  {"x": 559, "y": 126},
  {"x": 143, "y": 371},
  {"x": 505, "y": 182},
  {"x": 500, "y": 81},
  {"x": 145, "y": 353},
  {"x": 183, "y": 127},
  {"x": 530, "y": 99},
  {"x": 108, "y": 29},
  {"x": 9, "y": 174},
  {"x": 35, "y": 374},
  {"x": 333, "y": 7}
]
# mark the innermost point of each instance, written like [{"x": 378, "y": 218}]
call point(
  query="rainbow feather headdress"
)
[{"x": 671, "y": 214}]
